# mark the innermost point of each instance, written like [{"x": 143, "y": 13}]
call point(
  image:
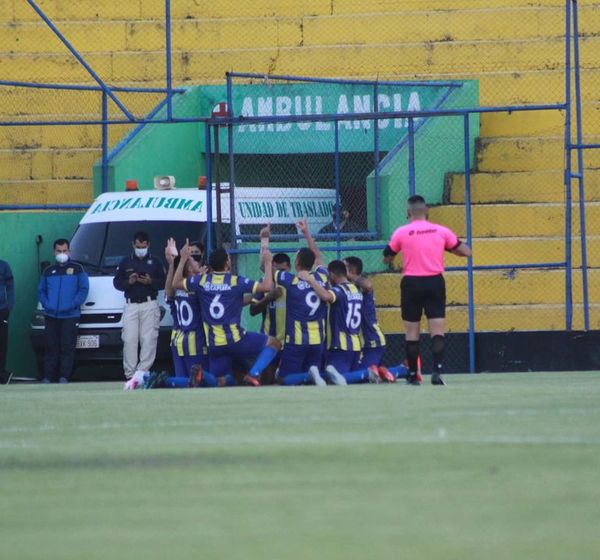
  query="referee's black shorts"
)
[{"x": 423, "y": 293}]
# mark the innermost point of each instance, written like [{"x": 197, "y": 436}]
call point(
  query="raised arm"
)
[
  {"x": 170, "y": 253},
  {"x": 178, "y": 274},
  {"x": 267, "y": 282},
  {"x": 302, "y": 225},
  {"x": 323, "y": 293}
]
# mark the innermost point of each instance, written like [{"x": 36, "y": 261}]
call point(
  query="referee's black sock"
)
[
  {"x": 412, "y": 355},
  {"x": 437, "y": 346}
]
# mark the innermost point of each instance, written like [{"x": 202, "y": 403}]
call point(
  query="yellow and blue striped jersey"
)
[
  {"x": 273, "y": 323},
  {"x": 305, "y": 312},
  {"x": 372, "y": 334},
  {"x": 345, "y": 318},
  {"x": 221, "y": 296}
]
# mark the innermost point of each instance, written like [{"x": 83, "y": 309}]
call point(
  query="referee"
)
[
  {"x": 422, "y": 244},
  {"x": 140, "y": 275}
]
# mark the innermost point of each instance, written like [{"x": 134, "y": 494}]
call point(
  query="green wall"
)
[
  {"x": 18, "y": 247},
  {"x": 439, "y": 150}
]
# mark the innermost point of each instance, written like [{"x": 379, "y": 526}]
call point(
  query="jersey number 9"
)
[{"x": 312, "y": 300}]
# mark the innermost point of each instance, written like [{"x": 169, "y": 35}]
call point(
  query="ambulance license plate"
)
[{"x": 88, "y": 341}]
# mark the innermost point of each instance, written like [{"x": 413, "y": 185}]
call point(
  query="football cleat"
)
[
  {"x": 414, "y": 378},
  {"x": 315, "y": 376},
  {"x": 335, "y": 376},
  {"x": 374, "y": 375},
  {"x": 196, "y": 375},
  {"x": 436, "y": 379},
  {"x": 386, "y": 375},
  {"x": 251, "y": 381}
]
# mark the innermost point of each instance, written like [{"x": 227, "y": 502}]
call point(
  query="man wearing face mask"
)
[
  {"x": 62, "y": 290},
  {"x": 141, "y": 276}
]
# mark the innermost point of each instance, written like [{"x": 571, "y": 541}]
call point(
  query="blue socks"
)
[
  {"x": 398, "y": 371},
  {"x": 264, "y": 359},
  {"x": 296, "y": 379},
  {"x": 178, "y": 382},
  {"x": 358, "y": 376}
]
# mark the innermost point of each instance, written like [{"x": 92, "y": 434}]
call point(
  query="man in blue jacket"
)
[
  {"x": 7, "y": 302},
  {"x": 62, "y": 290}
]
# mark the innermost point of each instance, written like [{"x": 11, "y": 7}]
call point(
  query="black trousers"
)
[
  {"x": 3, "y": 339},
  {"x": 60, "y": 338}
]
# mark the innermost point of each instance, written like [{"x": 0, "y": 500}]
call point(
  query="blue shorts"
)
[
  {"x": 372, "y": 356},
  {"x": 182, "y": 365},
  {"x": 344, "y": 360},
  {"x": 221, "y": 358},
  {"x": 297, "y": 358}
]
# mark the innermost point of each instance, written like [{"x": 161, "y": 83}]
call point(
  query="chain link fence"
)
[{"x": 479, "y": 55}]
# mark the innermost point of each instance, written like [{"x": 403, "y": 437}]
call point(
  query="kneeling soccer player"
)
[
  {"x": 221, "y": 296},
  {"x": 374, "y": 343}
]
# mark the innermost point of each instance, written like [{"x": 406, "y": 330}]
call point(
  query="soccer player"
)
[
  {"x": 302, "y": 353},
  {"x": 422, "y": 244},
  {"x": 272, "y": 306},
  {"x": 373, "y": 347},
  {"x": 221, "y": 296},
  {"x": 188, "y": 343}
]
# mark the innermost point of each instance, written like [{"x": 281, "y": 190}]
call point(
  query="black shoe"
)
[
  {"x": 413, "y": 379},
  {"x": 6, "y": 377},
  {"x": 436, "y": 379}
]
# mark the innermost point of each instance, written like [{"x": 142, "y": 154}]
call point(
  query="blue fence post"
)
[
  {"x": 208, "y": 171},
  {"x": 376, "y": 160},
  {"x": 336, "y": 180},
  {"x": 467, "y": 148},
  {"x": 568, "y": 178},
  {"x": 168, "y": 61},
  {"x": 104, "y": 142},
  {"x": 412, "y": 180},
  {"x": 580, "y": 172},
  {"x": 230, "y": 148}
]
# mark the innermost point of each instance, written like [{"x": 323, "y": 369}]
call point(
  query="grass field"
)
[{"x": 491, "y": 466}]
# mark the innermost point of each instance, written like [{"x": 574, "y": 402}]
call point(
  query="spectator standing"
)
[
  {"x": 7, "y": 302},
  {"x": 62, "y": 289},
  {"x": 140, "y": 276},
  {"x": 422, "y": 244},
  {"x": 341, "y": 221}
]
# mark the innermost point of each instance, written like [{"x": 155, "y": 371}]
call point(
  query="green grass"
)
[{"x": 491, "y": 466}]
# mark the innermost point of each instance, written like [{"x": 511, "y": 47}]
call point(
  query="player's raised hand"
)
[
  {"x": 302, "y": 226},
  {"x": 265, "y": 232},
  {"x": 170, "y": 250},
  {"x": 185, "y": 250}
]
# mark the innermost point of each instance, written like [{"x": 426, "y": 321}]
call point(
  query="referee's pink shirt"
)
[{"x": 422, "y": 244}]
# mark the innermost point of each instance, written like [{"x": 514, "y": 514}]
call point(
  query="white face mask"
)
[
  {"x": 141, "y": 253},
  {"x": 61, "y": 258}
]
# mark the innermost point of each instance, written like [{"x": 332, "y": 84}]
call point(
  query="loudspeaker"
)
[{"x": 164, "y": 182}]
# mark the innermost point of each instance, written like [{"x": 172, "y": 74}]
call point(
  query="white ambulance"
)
[{"x": 104, "y": 237}]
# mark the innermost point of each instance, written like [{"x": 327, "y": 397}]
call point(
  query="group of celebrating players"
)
[{"x": 319, "y": 325}]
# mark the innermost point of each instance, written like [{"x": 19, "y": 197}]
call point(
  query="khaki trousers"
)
[{"x": 140, "y": 329}]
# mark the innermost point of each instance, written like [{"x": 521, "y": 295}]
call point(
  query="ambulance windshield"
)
[{"x": 99, "y": 247}]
